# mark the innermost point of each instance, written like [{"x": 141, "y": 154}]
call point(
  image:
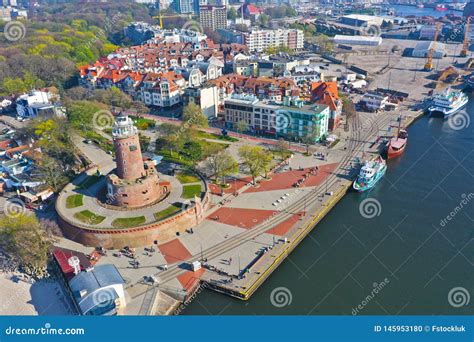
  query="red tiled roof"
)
[
  {"x": 62, "y": 255},
  {"x": 325, "y": 93}
]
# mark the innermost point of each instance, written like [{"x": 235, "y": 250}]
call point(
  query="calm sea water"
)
[
  {"x": 404, "y": 261},
  {"x": 402, "y": 11}
]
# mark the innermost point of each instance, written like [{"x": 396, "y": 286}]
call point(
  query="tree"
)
[
  {"x": 308, "y": 140},
  {"x": 281, "y": 146},
  {"x": 256, "y": 159},
  {"x": 241, "y": 126},
  {"x": 24, "y": 240},
  {"x": 222, "y": 164},
  {"x": 324, "y": 43},
  {"x": 232, "y": 13},
  {"x": 193, "y": 117},
  {"x": 172, "y": 137},
  {"x": 193, "y": 151},
  {"x": 52, "y": 173}
]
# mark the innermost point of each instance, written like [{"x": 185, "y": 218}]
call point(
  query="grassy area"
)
[
  {"x": 126, "y": 222},
  {"x": 186, "y": 177},
  {"x": 74, "y": 201},
  {"x": 161, "y": 215},
  {"x": 206, "y": 135},
  {"x": 88, "y": 182},
  {"x": 104, "y": 143},
  {"x": 143, "y": 123},
  {"x": 190, "y": 190},
  {"x": 89, "y": 217}
]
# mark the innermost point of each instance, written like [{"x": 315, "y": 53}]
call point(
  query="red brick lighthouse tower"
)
[{"x": 135, "y": 183}]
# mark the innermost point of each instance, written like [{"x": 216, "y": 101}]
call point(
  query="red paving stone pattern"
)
[
  {"x": 234, "y": 186},
  {"x": 282, "y": 228},
  {"x": 243, "y": 218},
  {"x": 285, "y": 180},
  {"x": 189, "y": 278},
  {"x": 174, "y": 251}
]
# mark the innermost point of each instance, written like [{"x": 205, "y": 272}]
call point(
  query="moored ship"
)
[
  {"x": 396, "y": 145},
  {"x": 370, "y": 174},
  {"x": 448, "y": 102}
]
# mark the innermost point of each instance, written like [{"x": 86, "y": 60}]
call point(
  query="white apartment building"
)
[
  {"x": 260, "y": 40},
  {"x": 374, "y": 102},
  {"x": 32, "y": 104}
]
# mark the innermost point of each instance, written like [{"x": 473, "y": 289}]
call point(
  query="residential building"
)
[
  {"x": 207, "y": 97},
  {"x": 260, "y": 40},
  {"x": 213, "y": 17},
  {"x": 37, "y": 102},
  {"x": 374, "y": 102},
  {"x": 187, "y": 6},
  {"x": 327, "y": 93},
  {"x": 162, "y": 90},
  {"x": 290, "y": 119},
  {"x": 274, "y": 89},
  {"x": 250, "y": 11}
]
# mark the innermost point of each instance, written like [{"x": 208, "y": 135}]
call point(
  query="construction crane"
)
[
  {"x": 161, "y": 16},
  {"x": 432, "y": 49},
  {"x": 465, "y": 44}
]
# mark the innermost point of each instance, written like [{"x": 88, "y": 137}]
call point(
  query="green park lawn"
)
[
  {"x": 190, "y": 190},
  {"x": 127, "y": 222},
  {"x": 74, "y": 201},
  {"x": 89, "y": 217},
  {"x": 171, "y": 210},
  {"x": 186, "y": 177}
]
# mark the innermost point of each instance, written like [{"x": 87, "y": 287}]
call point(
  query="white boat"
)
[{"x": 448, "y": 102}]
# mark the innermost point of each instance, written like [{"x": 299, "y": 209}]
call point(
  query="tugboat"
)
[
  {"x": 396, "y": 145},
  {"x": 370, "y": 174},
  {"x": 448, "y": 102}
]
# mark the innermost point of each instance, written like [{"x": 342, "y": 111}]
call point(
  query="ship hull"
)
[
  {"x": 446, "y": 111},
  {"x": 361, "y": 187},
  {"x": 392, "y": 153}
]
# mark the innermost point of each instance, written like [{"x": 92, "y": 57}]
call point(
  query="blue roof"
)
[{"x": 95, "y": 286}]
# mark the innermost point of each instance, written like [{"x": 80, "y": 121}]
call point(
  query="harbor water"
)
[
  {"x": 410, "y": 252},
  {"x": 404, "y": 11}
]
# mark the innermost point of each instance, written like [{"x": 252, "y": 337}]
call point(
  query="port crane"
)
[
  {"x": 432, "y": 49},
  {"x": 465, "y": 44}
]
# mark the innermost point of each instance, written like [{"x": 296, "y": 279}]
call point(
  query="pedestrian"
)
[{"x": 230, "y": 261}]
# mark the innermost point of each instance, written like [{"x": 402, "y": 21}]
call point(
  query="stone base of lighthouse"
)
[{"x": 135, "y": 193}]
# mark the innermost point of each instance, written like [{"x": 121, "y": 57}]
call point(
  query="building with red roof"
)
[{"x": 327, "y": 93}]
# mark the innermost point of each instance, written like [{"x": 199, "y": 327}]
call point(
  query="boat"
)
[
  {"x": 370, "y": 174},
  {"x": 396, "y": 145},
  {"x": 470, "y": 83},
  {"x": 441, "y": 7},
  {"x": 448, "y": 102},
  {"x": 420, "y": 6}
]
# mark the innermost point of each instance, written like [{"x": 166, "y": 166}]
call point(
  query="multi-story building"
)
[
  {"x": 327, "y": 93},
  {"x": 187, "y": 6},
  {"x": 374, "y": 102},
  {"x": 260, "y": 40},
  {"x": 37, "y": 102},
  {"x": 163, "y": 90},
  {"x": 213, "y": 17},
  {"x": 290, "y": 119},
  {"x": 207, "y": 97}
]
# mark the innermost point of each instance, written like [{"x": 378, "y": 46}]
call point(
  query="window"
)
[{"x": 133, "y": 148}]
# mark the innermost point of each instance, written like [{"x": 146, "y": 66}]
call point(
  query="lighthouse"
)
[{"x": 135, "y": 183}]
